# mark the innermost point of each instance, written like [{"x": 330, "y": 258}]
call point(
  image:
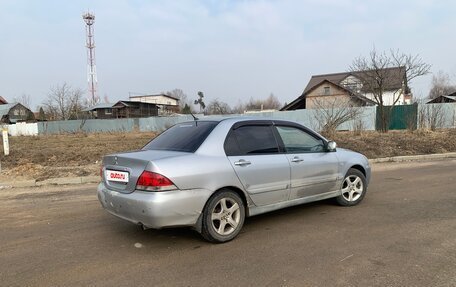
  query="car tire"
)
[
  {"x": 354, "y": 188},
  {"x": 223, "y": 216}
]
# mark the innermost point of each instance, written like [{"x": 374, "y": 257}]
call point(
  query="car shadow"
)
[{"x": 188, "y": 238}]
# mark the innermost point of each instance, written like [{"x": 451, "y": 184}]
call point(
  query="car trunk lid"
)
[{"x": 121, "y": 171}]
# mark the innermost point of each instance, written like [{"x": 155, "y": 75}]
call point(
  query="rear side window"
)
[
  {"x": 186, "y": 137},
  {"x": 251, "y": 140}
]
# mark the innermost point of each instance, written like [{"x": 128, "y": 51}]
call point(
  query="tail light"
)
[{"x": 152, "y": 181}]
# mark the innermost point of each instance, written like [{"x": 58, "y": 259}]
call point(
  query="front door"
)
[
  {"x": 313, "y": 169},
  {"x": 254, "y": 155}
]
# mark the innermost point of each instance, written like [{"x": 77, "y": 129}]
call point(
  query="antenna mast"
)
[{"x": 89, "y": 19}]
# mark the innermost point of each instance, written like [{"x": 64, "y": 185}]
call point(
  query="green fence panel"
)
[{"x": 399, "y": 117}]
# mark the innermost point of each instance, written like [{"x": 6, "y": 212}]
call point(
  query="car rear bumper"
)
[{"x": 155, "y": 209}]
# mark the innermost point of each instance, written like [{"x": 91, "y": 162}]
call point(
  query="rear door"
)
[
  {"x": 313, "y": 169},
  {"x": 254, "y": 154}
]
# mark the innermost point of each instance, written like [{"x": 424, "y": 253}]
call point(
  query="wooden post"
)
[{"x": 5, "y": 141}]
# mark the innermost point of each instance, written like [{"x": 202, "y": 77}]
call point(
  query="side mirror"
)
[{"x": 331, "y": 146}]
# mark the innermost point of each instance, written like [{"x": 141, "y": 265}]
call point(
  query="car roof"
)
[
  {"x": 250, "y": 119},
  {"x": 240, "y": 119}
]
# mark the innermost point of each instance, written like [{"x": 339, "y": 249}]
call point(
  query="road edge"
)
[
  {"x": 50, "y": 181},
  {"x": 421, "y": 157}
]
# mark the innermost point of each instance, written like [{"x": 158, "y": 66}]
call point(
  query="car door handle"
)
[
  {"x": 296, "y": 159},
  {"x": 242, "y": 162}
]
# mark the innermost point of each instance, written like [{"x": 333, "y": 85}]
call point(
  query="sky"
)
[{"x": 230, "y": 50}]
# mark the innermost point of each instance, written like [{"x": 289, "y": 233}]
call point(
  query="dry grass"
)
[
  {"x": 396, "y": 143},
  {"x": 44, "y": 157},
  {"x": 50, "y": 156}
]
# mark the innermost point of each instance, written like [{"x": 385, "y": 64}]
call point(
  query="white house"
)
[{"x": 166, "y": 103}]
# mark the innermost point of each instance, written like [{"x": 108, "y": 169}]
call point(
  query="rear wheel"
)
[
  {"x": 354, "y": 187},
  {"x": 223, "y": 217}
]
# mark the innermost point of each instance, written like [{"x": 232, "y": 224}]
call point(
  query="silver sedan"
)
[{"x": 212, "y": 174}]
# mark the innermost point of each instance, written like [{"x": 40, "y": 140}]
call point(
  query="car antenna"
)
[{"x": 194, "y": 118}]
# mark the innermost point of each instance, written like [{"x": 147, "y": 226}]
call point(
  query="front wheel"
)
[
  {"x": 223, "y": 217},
  {"x": 354, "y": 187}
]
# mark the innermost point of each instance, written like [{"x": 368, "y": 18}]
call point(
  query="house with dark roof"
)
[
  {"x": 100, "y": 111},
  {"x": 2, "y": 101},
  {"x": 123, "y": 109},
  {"x": 13, "y": 113},
  {"x": 167, "y": 104},
  {"x": 352, "y": 88},
  {"x": 132, "y": 109},
  {"x": 451, "y": 98}
]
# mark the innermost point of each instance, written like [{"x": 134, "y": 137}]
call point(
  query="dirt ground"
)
[
  {"x": 43, "y": 157},
  {"x": 51, "y": 156}
]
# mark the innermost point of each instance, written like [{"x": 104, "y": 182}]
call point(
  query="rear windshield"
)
[{"x": 186, "y": 137}]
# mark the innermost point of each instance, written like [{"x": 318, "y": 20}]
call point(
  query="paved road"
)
[{"x": 403, "y": 234}]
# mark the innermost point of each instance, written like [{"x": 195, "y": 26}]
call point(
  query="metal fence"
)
[
  {"x": 444, "y": 116},
  {"x": 73, "y": 126}
]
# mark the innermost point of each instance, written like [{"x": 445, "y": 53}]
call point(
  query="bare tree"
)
[
  {"x": 413, "y": 64},
  {"x": 358, "y": 126},
  {"x": 431, "y": 116},
  {"x": 332, "y": 112},
  {"x": 239, "y": 108},
  {"x": 376, "y": 78},
  {"x": 253, "y": 104},
  {"x": 217, "y": 107},
  {"x": 76, "y": 104},
  {"x": 270, "y": 103},
  {"x": 181, "y": 96},
  {"x": 24, "y": 99},
  {"x": 441, "y": 85},
  {"x": 63, "y": 102}
]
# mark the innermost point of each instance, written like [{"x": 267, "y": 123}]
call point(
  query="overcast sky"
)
[{"x": 230, "y": 50}]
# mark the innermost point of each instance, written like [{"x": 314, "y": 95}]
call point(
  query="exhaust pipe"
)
[{"x": 143, "y": 227}]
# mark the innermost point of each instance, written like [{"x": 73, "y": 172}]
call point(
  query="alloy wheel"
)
[
  {"x": 226, "y": 216},
  {"x": 352, "y": 188}
]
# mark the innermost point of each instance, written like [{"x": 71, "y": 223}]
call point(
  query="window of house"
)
[
  {"x": 108, "y": 111},
  {"x": 327, "y": 90},
  {"x": 19, "y": 112}
]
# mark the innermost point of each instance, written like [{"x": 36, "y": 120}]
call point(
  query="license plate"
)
[{"x": 119, "y": 176}]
